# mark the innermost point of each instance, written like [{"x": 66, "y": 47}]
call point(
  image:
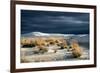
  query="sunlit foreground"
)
[{"x": 40, "y": 49}]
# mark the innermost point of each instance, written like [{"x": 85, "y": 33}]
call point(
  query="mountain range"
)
[{"x": 79, "y": 37}]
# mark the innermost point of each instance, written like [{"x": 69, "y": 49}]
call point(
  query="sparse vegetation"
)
[
  {"x": 40, "y": 46},
  {"x": 42, "y": 49},
  {"x": 76, "y": 50}
]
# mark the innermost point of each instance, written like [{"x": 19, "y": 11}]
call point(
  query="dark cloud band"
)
[{"x": 54, "y": 22}]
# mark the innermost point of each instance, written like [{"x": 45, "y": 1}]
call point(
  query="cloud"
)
[
  {"x": 58, "y": 22},
  {"x": 66, "y": 19}
]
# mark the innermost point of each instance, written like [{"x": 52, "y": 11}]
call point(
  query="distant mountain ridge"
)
[
  {"x": 79, "y": 37},
  {"x": 49, "y": 34}
]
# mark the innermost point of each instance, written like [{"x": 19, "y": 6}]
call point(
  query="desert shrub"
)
[
  {"x": 26, "y": 42},
  {"x": 29, "y": 45},
  {"x": 70, "y": 47},
  {"x": 58, "y": 44},
  {"x": 56, "y": 41},
  {"x": 76, "y": 54},
  {"x": 76, "y": 50},
  {"x": 43, "y": 49},
  {"x": 47, "y": 45},
  {"x": 52, "y": 43},
  {"x": 63, "y": 46}
]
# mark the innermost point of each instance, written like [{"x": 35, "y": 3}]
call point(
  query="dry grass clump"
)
[
  {"x": 29, "y": 42},
  {"x": 42, "y": 49},
  {"x": 26, "y": 42},
  {"x": 76, "y": 50}
]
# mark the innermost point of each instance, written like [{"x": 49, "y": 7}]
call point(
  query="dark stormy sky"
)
[{"x": 54, "y": 22}]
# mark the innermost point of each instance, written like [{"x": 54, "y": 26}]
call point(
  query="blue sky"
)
[{"x": 54, "y": 22}]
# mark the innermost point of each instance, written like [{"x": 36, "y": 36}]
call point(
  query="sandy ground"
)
[{"x": 27, "y": 55}]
